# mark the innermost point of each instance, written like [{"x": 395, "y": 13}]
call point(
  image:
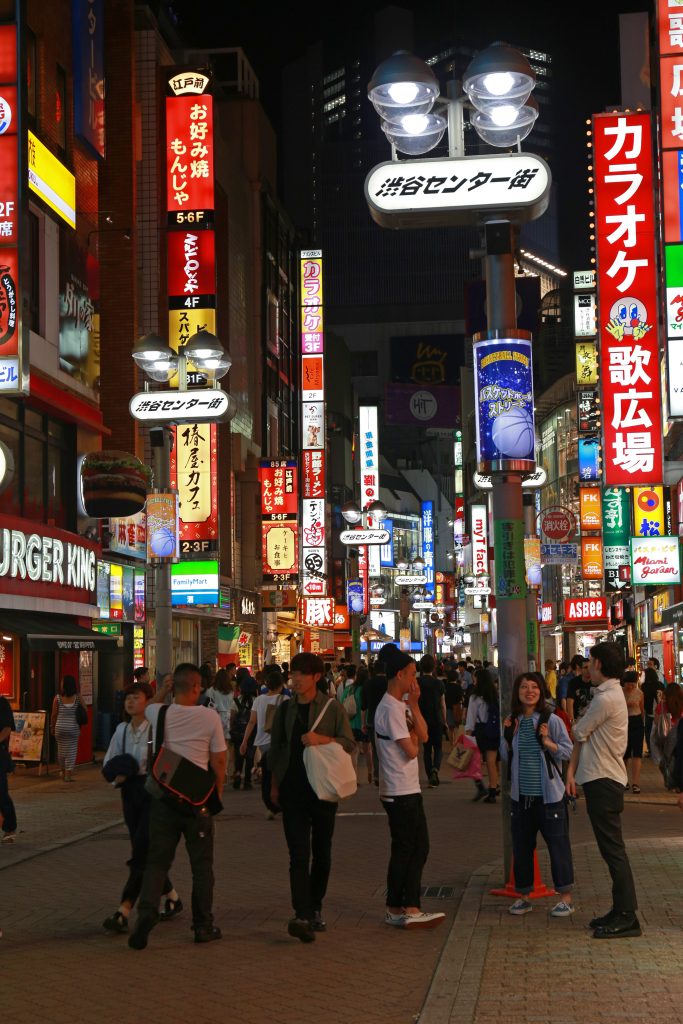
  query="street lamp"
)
[{"x": 158, "y": 361}]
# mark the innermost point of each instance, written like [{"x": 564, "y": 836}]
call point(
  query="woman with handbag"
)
[
  {"x": 65, "y": 727},
  {"x": 534, "y": 743},
  {"x": 310, "y": 719}
]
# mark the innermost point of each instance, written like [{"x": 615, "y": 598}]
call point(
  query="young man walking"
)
[
  {"x": 597, "y": 764},
  {"x": 308, "y": 821},
  {"x": 399, "y": 730}
]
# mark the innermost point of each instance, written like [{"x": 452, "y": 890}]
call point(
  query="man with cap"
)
[{"x": 399, "y": 730}]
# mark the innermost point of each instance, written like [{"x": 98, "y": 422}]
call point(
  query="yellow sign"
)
[
  {"x": 586, "y": 362},
  {"x": 183, "y": 323},
  {"x": 51, "y": 180},
  {"x": 649, "y": 519}
]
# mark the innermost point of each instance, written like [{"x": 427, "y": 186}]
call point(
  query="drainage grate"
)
[{"x": 437, "y": 892}]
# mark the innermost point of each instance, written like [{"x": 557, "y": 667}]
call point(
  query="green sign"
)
[
  {"x": 531, "y": 637},
  {"x": 616, "y": 515},
  {"x": 107, "y": 628},
  {"x": 508, "y": 550}
]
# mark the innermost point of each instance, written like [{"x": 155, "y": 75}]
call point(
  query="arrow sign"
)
[{"x": 364, "y": 536}]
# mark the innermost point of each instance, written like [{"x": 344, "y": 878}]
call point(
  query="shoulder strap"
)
[
  {"x": 160, "y": 728},
  {"x": 319, "y": 718}
]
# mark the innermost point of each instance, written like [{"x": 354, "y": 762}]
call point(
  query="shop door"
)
[{"x": 668, "y": 657}]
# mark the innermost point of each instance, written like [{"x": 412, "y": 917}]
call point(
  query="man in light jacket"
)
[{"x": 597, "y": 764}]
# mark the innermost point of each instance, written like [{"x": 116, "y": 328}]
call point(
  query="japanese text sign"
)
[
  {"x": 627, "y": 281},
  {"x": 504, "y": 405},
  {"x": 428, "y": 545},
  {"x": 616, "y": 532},
  {"x": 87, "y": 19},
  {"x": 189, "y": 156},
  {"x": 369, "y": 454},
  {"x": 509, "y": 559},
  {"x": 194, "y": 473},
  {"x": 279, "y": 491},
  {"x": 655, "y": 561},
  {"x": 317, "y": 612},
  {"x": 280, "y": 551},
  {"x": 586, "y": 362},
  {"x": 648, "y": 512}
]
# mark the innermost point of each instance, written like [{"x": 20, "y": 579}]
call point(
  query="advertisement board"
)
[
  {"x": 280, "y": 551},
  {"x": 194, "y": 474},
  {"x": 87, "y": 24},
  {"x": 162, "y": 526},
  {"x": 590, "y": 459},
  {"x": 313, "y": 426},
  {"x": 655, "y": 561},
  {"x": 586, "y": 362},
  {"x": 588, "y": 611},
  {"x": 195, "y": 583},
  {"x": 592, "y": 567},
  {"x": 51, "y": 181},
  {"x": 627, "y": 289},
  {"x": 649, "y": 519},
  {"x": 590, "y": 505},
  {"x": 504, "y": 403},
  {"x": 616, "y": 534},
  {"x": 428, "y": 545}
]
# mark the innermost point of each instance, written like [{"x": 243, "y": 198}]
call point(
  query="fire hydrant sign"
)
[
  {"x": 457, "y": 190},
  {"x": 655, "y": 561}
]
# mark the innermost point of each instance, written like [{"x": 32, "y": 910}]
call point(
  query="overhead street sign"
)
[
  {"x": 205, "y": 405},
  {"x": 414, "y": 580},
  {"x": 458, "y": 190},
  {"x": 364, "y": 536}
]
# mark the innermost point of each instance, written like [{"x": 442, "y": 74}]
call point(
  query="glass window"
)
[
  {"x": 33, "y": 479},
  {"x": 10, "y": 503}
]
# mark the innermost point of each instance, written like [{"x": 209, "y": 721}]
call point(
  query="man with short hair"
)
[
  {"x": 654, "y": 663},
  {"x": 433, "y": 708},
  {"x": 141, "y": 674},
  {"x": 195, "y": 733},
  {"x": 597, "y": 764},
  {"x": 580, "y": 689},
  {"x": 564, "y": 678}
]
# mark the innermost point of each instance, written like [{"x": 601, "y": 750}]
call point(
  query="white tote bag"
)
[{"x": 329, "y": 768}]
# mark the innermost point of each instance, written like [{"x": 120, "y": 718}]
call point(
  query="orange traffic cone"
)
[{"x": 538, "y": 892}]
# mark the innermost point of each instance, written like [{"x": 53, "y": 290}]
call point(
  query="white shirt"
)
[
  {"x": 136, "y": 743},
  {"x": 399, "y": 774},
  {"x": 260, "y": 706},
  {"x": 192, "y": 732},
  {"x": 603, "y": 734}
]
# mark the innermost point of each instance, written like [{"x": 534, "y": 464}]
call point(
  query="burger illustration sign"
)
[{"x": 113, "y": 485}]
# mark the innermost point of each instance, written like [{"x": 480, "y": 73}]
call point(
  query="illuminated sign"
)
[
  {"x": 88, "y": 72},
  {"x": 556, "y": 522},
  {"x": 280, "y": 551},
  {"x": 655, "y": 561},
  {"x": 592, "y": 567},
  {"x": 627, "y": 275},
  {"x": 480, "y": 544},
  {"x": 584, "y": 315},
  {"x": 457, "y": 191},
  {"x": 317, "y": 611},
  {"x": 355, "y": 537},
  {"x": 585, "y": 610},
  {"x": 279, "y": 493},
  {"x": 590, "y": 508},
  {"x": 586, "y": 362},
  {"x": 312, "y": 388},
  {"x": 194, "y": 583},
  {"x": 204, "y": 405},
  {"x": 590, "y": 459},
  {"x": 504, "y": 404},
  {"x": 13, "y": 365},
  {"x": 312, "y": 408},
  {"x": 48, "y": 557},
  {"x": 648, "y": 512},
  {"x": 129, "y": 536},
  {"x": 51, "y": 180},
  {"x": 386, "y": 551},
  {"x": 116, "y": 591},
  {"x": 428, "y": 544},
  {"x": 194, "y": 474},
  {"x": 162, "y": 526},
  {"x": 191, "y": 269},
  {"x": 313, "y": 474},
  {"x": 559, "y": 554},
  {"x": 189, "y": 159},
  {"x": 369, "y": 454},
  {"x": 616, "y": 533},
  {"x": 279, "y": 510},
  {"x": 313, "y": 424},
  {"x": 547, "y": 613}
]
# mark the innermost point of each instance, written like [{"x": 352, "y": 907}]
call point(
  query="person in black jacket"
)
[
  {"x": 433, "y": 710},
  {"x": 9, "y": 817}
]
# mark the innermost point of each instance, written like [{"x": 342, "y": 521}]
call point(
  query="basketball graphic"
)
[
  {"x": 513, "y": 434},
  {"x": 162, "y": 542}
]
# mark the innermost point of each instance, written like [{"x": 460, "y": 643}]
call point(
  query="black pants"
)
[
  {"x": 245, "y": 761},
  {"x": 529, "y": 816},
  {"x": 136, "y": 807},
  {"x": 409, "y": 849},
  {"x": 9, "y": 815},
  {"x": 649, "y": 722},
  {"x": 605, "y": 802},
  {"x": 309, "y": 826},
  {"x": 431, "y": 750},
  {"x": 266, "y": 780},
  {"x": 370, "y": 733},
  {"x": 167, "y": 823}
]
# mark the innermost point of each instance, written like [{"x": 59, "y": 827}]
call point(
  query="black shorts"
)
[{"x": 636, "y": 735}]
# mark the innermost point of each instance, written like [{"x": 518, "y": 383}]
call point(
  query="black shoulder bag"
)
[{"x": 186, "y": 784}]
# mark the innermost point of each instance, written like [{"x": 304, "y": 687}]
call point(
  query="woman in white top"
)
[
  {"x": 261, "y": 719},
  {"x": 220, "y": 698}
]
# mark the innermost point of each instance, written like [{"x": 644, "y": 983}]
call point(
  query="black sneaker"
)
[
  {"x": 207, "y": 934},
  {"x": 118, "y": 922},
  {"x": 621, "y": 926},
  {"x": 138, "y": 938},
  {"x": 490, "y": 797},
  {"x": 434, "y": 778},
  {"x": 317, "y": 923},
  {"x": 598, "y": 922},
  {"x": 236, "y": 782},
  {"x": 300, "y": 929},
  {"x": 171, "y": 909}
]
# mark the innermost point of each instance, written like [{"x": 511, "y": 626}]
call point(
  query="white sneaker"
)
[
  {"x": 562, "y": 909},
  {"x": 8, "y": 837},
  {"x": 520, "y": 907},
  {"x": 422, "y": 920},
  {"x": 395, "y": 920}
]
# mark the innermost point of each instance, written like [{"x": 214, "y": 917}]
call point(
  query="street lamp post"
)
[
  {"x": 496, "y": 89},
  {"x": 160, "y": 363}
]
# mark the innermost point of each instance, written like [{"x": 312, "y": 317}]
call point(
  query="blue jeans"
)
[{"x": 529, "y": 817}]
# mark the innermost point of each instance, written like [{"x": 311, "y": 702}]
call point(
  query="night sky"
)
[{"x": 582, "y": 36}]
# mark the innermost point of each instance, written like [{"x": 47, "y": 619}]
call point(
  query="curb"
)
[{"x": 62, "y": 843}]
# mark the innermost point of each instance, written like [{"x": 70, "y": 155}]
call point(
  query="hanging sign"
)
[
  {"x": 591, "y": 508},
  {"x": 616, "y": 533},
  {"x": 655, "y": 561},
  {"x": 648, "y": 512},
  {"x": 504, "y": 404}
]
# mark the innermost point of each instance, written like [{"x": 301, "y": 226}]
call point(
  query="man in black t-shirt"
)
[
  {"x": 433, "y": 710},
  {"x": 579, "y": 691},
  {"x": 9, "y": 817}
]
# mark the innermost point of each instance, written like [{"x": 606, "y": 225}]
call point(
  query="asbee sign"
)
[
  {"x": 457, "y": 190},
  {"x": 589, "y": 610}
]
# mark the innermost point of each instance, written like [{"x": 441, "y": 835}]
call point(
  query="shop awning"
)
[{"x": 50, "y": 633}]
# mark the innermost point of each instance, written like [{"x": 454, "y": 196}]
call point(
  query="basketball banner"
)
[{"x": 504, "y": 404}]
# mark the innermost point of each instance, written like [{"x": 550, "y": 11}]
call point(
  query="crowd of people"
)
[{"x": 583, "y": 723}]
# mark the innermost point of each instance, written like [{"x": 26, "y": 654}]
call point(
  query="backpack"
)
[
  {"x": 349, "y": 704},
  {"x": 669, "y": 766},
  {"x": 241, "y": 719}
]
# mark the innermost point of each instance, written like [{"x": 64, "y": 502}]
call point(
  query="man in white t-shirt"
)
[
  {"x": 399, "y": 729},
  {"x": 195, "y": 733}
]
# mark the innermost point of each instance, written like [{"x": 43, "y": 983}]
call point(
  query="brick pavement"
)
[{"x": 53, "y": 905}]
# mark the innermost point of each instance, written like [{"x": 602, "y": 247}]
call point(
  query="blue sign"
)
[
  {"x": 377, "y": 645},
  {"x": 355, "y": 598},
  {"x": 589, "y": 459},
  {"x": 428, "y": 545},
  {"x": 87, "y": 24},
  {"x": 504, "y": 402},
  {"x": 386, "y": 551}
]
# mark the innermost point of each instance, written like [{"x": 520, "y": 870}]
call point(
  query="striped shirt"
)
[{"x": 530, "y": 759}]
